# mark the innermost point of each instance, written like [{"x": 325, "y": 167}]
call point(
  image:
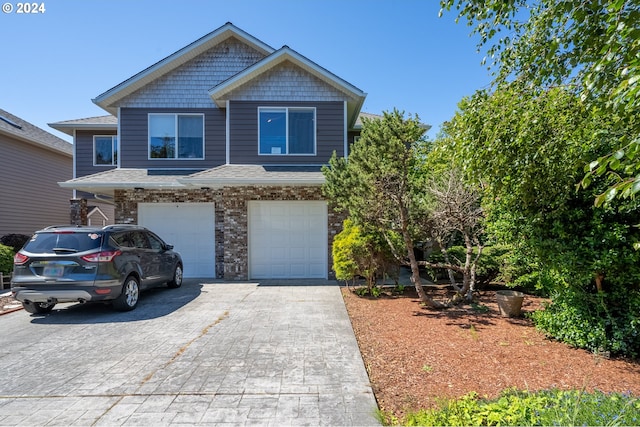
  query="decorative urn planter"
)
[{"x": 510, "y": 303}]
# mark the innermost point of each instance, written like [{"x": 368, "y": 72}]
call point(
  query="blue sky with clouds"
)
[{"x": 398, "y": 51}]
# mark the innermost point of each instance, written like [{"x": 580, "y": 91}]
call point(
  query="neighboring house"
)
[
  {"x": 95, "y": 144},
  {"x": 32, "y": 162},
  {"x": 218, "y": 148}
]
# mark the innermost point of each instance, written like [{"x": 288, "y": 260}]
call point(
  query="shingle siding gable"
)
[
  {"x": 188, "y": 86},
  {"x": 287, "y": 82}
]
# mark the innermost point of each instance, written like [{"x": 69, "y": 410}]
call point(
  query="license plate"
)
[{"x": 53, "y": 271}]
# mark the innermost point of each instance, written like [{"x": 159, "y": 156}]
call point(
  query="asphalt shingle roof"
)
[
  {"x": 99, "y": 120},
  {"x": 257, "y": 174},
  {"x": 19, "y": 128}
]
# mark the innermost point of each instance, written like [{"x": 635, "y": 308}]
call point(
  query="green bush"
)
[
  {"x": 600, "y": 322},
  {"x": 16, "y": 241},
  {"x": 6, "y": 259},
  {"x": 357, "y": 252},
  {"x": 543, "y": 408}
]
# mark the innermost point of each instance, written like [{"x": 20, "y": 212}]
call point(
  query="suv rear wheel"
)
[
  {"x": 128, "y": 299},
  {"x": 176, "y": 282},
  {"x": 38, "y": 307}
]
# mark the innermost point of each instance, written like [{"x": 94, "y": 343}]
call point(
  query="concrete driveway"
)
[{"x": 205, "y": 354}]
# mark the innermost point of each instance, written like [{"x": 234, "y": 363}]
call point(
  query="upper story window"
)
[
  {"x": 287, "y": 131},
  {"x": 176, "y": 136},
  {"x": 105, "y": 150}
]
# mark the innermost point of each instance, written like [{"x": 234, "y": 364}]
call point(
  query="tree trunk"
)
[
  {"x": 413, "y": 262},
  {"x": 450, "y": 272},
  {"x": 466, "y": 274},
  {"x": 415, "y": 276},
  {"x": 599, "y": 279}
]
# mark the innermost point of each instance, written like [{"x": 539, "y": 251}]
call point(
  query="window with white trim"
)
[
  {"x": 176, "y": 136},
  {"x": 105, "y": 150},
  {"x": 287, "y": 131}
]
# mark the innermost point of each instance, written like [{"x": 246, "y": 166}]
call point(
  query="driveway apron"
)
[{"x": 205, "y": 354}]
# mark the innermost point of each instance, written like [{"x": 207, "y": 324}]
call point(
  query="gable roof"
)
[
  {"x": 90, "y": 123},
  {"x": 173, "y": 61},
  {"x": 18, "y": 128},
  {"x": 286, "y": 54}
]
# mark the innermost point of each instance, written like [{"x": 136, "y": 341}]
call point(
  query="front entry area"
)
[
  {"x": 189, "y": 227},
  {"x": 287, "y": 239}
]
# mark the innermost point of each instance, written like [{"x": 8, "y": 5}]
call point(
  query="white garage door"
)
[
  {"x": 287, "y": 240},
  {"x": 189, "y": 227}
]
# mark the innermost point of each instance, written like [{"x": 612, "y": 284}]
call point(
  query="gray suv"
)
[{"x": 79, "y": 263}]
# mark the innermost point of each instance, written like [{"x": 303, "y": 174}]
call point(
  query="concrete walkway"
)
[{"x": 204, "y": 354}]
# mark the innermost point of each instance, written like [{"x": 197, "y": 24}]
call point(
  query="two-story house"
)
[{"x": 218, "y": 148}]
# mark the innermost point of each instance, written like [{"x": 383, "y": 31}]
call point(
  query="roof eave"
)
[
  {"x": 69, "y": 128},
  {"x": 235, "y": 182}
]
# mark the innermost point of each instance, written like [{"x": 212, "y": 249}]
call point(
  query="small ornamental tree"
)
[
  {"x": 455, "y": 211},
  {"x": 357, "y": 252}
]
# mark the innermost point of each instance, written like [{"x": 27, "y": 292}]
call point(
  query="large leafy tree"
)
[
  {"x": 526, "y": 148},
  {"x": 591, "y": 48}
]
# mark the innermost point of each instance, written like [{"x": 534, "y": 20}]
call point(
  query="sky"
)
[{"x": 53, "y": 63}]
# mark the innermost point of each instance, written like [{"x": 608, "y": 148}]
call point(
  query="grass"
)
[{"x": 543, "y": 408}]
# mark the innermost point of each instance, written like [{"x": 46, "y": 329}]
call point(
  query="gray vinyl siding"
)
[
  {"x": 84, "y": 152},
  {"x": 243, "y": 123},
  {"x": 134, "y": 139},
  {"x": 30, "y": 197}
]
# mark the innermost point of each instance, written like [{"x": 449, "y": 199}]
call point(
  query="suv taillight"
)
[
  {"x": 20, "y": 259},
  {"x": 104, "y": 256}
]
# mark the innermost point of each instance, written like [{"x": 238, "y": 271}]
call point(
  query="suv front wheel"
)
[
  {"x": 176, "y": 282},
  {"x": 128, "y": 299}
]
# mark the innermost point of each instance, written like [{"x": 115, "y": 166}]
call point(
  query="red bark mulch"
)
[{"x": 416, "y": 356}]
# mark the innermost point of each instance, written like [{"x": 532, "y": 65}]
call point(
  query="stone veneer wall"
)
[{"x": 231, "y": 217}]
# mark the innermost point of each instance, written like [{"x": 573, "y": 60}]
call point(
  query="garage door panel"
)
[
  {"x": 292, "y": 236},
  {"x": 189, "y": 227}
]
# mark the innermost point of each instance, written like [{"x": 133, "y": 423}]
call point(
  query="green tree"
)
[
  {"x": 526, "y": 148},
  {"x": 380, "y": 184},
  {"x": 591, "y": 48}
]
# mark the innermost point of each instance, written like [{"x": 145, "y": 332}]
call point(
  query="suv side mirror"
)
[{"x": 168, "y": 247}]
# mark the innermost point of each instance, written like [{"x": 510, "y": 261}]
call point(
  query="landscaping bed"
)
[{"x": 416, "y": 356}]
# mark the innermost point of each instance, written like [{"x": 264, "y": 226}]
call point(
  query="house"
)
[
  {"x": 218, "y": 148},
  {"x": 32, "y": 161}
]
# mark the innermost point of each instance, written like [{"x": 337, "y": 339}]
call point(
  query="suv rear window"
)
[{"x": 78, "y": 242}]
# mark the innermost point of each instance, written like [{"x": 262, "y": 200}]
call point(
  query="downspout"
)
[
  {"x": 228, "y": 130},
  {"x": 75, "y": 147},
  {"x": 346, "y": 132},
  {"x": 118, "y": 136}
]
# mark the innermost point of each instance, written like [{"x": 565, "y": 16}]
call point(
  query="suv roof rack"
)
[
  {"x": 50, "y": 227},
  {"x": 114, "y": 226}
]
